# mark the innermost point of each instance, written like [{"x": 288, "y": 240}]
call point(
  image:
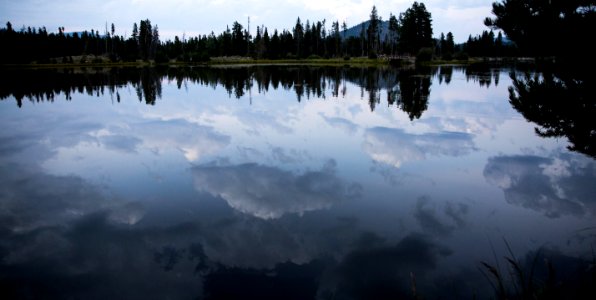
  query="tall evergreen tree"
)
[
  {"x": 545, "y": 28},
  {"x": 393, "y": 32},
  {"x": 373, "y": 32},
  {"x": 298, "y": 36},
  {"x": 450, "y": 43},
  {"x": 416, "y": 28}
]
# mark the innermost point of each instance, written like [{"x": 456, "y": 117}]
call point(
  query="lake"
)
[{"x": 290, "y": 182}]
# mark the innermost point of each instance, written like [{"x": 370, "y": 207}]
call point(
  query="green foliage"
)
[
  {"x": 447, "y": 56},
  {"x": 393, "y": 33},
  {"x": 161, "y": 57},
  {"x": 424, "y": 54},
  {"x": 416, "y": 28},
  {"x": 373, "y": 32},
  {"x": 463, "y": 56},
  {"x": 547, "y": 28}
]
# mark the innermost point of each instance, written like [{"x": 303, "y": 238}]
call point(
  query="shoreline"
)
[{"x": 222, "y": 62}]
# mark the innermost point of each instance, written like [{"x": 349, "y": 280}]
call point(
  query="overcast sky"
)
[{"x": 192, "y": 17}]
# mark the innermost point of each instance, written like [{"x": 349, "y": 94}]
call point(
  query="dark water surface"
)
[{"x": 285, "y": 183}]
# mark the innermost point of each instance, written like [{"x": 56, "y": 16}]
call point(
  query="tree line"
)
[
  {"x": 533, "y": 28},
  {"x": 408, "y": 33}
]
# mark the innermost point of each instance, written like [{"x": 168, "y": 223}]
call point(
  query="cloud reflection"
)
[
  {"x": 395, "y": 146},
  {"x": 431, "y": 220},
  {"x": 269, "y": 192},
  {"x": 386, "y": 271},
  {"x": 33, "y": 199},
  {"x": 193, "y": 140},
  {"x": 555, "y": 186}
]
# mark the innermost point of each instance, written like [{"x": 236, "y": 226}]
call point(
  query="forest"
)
[{"x": 531, "y": 28}]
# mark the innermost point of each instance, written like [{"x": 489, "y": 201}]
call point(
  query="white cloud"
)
[
  {"x": 394, "y": 146},
  {"x": 269, "y": 192},
  {"x": 554, "y": 186},
  {"x": 194, "y": 141}
]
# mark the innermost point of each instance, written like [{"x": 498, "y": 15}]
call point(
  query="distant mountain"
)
[{"x": 355, "y": 30}]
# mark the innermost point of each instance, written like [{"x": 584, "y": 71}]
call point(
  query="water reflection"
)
[
  {"x": 394, "y": 146},
  {"x": 268, "y": 192},
  {"x": 561, "y": 103},
  {"x": 408, "y": 89},
  {"x": 283, "y": 194},
  {"x": 555, "y": 186}
]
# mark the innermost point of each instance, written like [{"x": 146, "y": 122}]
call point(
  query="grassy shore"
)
[{"x": 78, "y": 62}]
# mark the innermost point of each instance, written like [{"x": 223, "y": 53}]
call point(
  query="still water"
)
[{"x": 283, "y": 182}]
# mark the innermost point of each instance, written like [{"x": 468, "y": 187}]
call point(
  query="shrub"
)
[
  {"x": 197, "y": 57},
  {"x": 113, "y": 57},
  {"x": 161, "y": 57},
  {"x": 424, "y": 54},
  {"x": 373, "y": 55},
  {"x": 347, "y": 57},
  {"x": 461, "y": 56},
  {"x": 447, "y": 56}
]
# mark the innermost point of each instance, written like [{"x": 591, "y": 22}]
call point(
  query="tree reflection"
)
[
  {"x": 408, "y": 89},
  {"x": 483, "y": 74},
  {"x": 445, "y": 73},
  {"x": 411, "y": 93},
  {"x": 561, "y": 103}
]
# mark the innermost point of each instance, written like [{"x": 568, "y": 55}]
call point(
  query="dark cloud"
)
[
  {"x": 284, "y": 281},
  {"x": 32, "y": 199},
  {"x": 395, "y": 146},
  {"x": 94, "y": 258},
  {"x": 555, "y": 186},
  {"x": 35, "y": 199},
  {"x": 384, "y": 271},
  {"x": 269, "y": 192},
  {"x": 32, "y": 143},
  {"x": 435, "y": 222}
]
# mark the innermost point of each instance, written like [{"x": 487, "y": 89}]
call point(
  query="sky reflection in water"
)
[{"x": 277, "y": 182}]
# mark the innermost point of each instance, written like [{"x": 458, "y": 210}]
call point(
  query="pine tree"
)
[
  {"x": 393, "y": 32},
  {"x": 416, "y": 28},
  {"x": 373, "y": 32},
  {"x": 298, "y": 36}
]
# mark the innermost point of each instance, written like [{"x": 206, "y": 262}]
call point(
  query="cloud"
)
[
  {"x": 269, "y": 192},
  {"x": 429, "y": 218},
  {"x": 288, "y": 157},
  {"x": 31, "y": 199},
  {"x": 342, "y": 124},
  {"x": 79, "y": 259},
  {"x": 122, "y": 143},
  {"x": 384, "y": 272},
  {"x": 395, "y": 146},
  {"x": 555, "y": 186},
  {"x": 256, "y": 121},
  {"x": 286, "y": 280},
  {"x": 193, "y": 140}
]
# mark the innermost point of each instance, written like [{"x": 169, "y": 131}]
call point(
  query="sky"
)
[{"x": 194, "y": 17}]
